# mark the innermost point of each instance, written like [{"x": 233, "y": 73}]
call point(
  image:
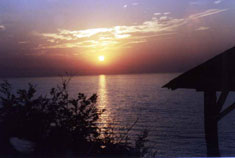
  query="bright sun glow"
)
[{"x": 101, "y": 58}]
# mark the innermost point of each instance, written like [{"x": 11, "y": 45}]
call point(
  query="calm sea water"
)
[{"x": 173, "y": 118}]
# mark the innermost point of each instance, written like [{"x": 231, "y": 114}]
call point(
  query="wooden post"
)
[{"x": 211, "y": 113}]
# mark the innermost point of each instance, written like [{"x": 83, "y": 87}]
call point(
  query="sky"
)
[{"x": 52, "y": 37}]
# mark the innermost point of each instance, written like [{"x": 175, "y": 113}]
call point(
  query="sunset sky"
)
[{"x": 51, "y": 37}]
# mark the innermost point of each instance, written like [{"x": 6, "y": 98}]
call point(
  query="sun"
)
[{"x": 101, "y": 58}]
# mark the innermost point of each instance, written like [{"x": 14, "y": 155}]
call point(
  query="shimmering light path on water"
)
[{"x": 174, "y": 118}]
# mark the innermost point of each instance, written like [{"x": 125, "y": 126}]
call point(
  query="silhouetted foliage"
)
[{"x": 58, "y": 124}]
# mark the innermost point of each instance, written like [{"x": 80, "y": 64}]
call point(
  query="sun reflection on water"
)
[{"x": 103, "y": 101}]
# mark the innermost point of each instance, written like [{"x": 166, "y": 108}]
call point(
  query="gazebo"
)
[{"x": 214, "y": 75}]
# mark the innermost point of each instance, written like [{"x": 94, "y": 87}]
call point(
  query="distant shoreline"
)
[{"x": 76, "y": 75}]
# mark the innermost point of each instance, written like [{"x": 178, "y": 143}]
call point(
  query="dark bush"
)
[{"x": 57, "y": 123}]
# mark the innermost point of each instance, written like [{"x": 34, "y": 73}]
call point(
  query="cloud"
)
[
  {"x": 23, "y": 42},
  {"x": 157, "y": 14},
  {"x": 132, "y": 4},
  {"x": 125, "y": 6},
  {"x": 198, "y": 3},
  {"x": 206, "y": 13},
  {"x": 167, "y": 13},
  {"x": 109, "y": 37},
  {"x": 2, "y": 27},
  {"x": 218, "y": 1},
  {"x": 161, "y": 24},
  {"x": 135, "y": 4},
  {"x": 202, "y": 28},
  {"x": 162, "y": 18}
]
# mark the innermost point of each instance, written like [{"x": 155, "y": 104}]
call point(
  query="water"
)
[{"x": 174, "y": 118}]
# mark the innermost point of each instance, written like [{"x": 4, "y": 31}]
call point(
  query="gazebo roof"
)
[{"x": 217, "y": 74}]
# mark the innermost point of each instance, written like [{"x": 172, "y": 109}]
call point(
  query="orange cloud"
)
[{"x": 162, "y": 24}]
